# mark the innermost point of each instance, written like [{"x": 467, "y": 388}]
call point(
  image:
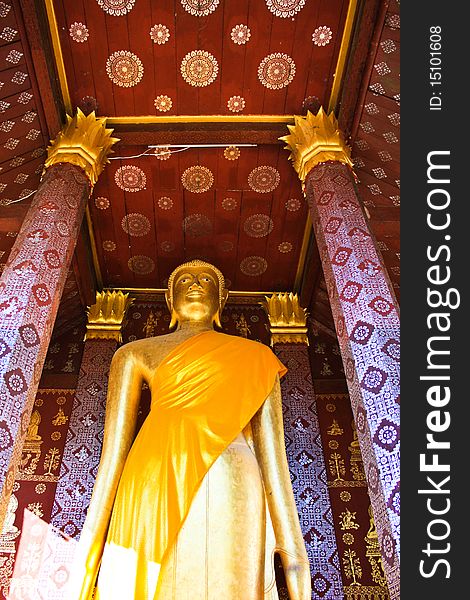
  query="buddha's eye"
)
[{"x": 206, "y": 278}]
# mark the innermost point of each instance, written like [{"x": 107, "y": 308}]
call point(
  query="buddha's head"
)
[{"x": 196, "y": 293}]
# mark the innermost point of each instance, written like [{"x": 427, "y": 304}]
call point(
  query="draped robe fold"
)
[{"x": 204, "y": 393}]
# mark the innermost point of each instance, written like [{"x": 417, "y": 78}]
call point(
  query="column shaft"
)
[
  {"x": 367, "y": 323},
  {"x": 84, "y": 438},
  {"x": 30, "y": 291},
  {"x": 307, "y": 468}
]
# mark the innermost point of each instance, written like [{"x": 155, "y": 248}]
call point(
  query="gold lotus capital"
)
[
  {"x": 315, "y": 139},
  {"x": 287, "y": 319},
  {"x": 84, "y": 141},
  {"x": 106, "y": 316}
]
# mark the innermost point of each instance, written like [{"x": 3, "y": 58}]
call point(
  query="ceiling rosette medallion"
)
[
  {"x": 240, "y": 34},
  {"x": 162, "y": 153},
  {"x": 199, "y": 68},
  {"x": 167, "y": 246},
  {"x": 226, "y": 246},
  {"x": 229, "y": 203},
  {"x": 101, "y": 203},
  {"x": 293, "y": 204},
  {"x": 130, "y": 178},
  {"x": 88, "y": 104},
  {"x": 258, "y": 226},
  {"x": 236, "y": 104},
  {"x": 285, "y": 8},
  {"x": 276, "y": 71},
  {"x": 141, "y": 265},
  {"x": 135, "y": 224},
  {"x": 253, "y": 266},
  {"x": 284, "y": 247},
  {"x": 200, "y": 8},
  {"x": 163, "y": 103},
  {"x": 78, "y": 32},
  {"x": 159, "y": 34},
  {"x": 197, "y": 179},
  {"x": 124, "y": 68},
  {"x": 232, "y": 153},
  {"x": 165, "y": 203},
  {"x": 197, "y": 225},
  {"x": 264, "y": 179},
  {"x": 322, "y": 36},
  {"x": 117, "y": 8},
  {"x": 109, "y": 246}
]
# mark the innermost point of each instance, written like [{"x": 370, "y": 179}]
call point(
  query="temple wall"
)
[
  {"x": 356, "y": 563},
  {"x": 35, "y": 486}
]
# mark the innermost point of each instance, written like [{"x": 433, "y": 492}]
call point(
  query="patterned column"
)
[
  {"x": 365, "y": 313},
  {"x": 85, "y": 434},
  {"x": 303, "y": 444},
  {"x": 32, "y": 282}
]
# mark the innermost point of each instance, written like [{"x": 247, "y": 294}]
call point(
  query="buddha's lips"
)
[{"x": 195, "y": 293}]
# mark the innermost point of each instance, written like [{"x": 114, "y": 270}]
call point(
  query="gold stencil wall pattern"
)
[
  {"x": 356, "y": 536},
  {"x": 35, "y": 485}
]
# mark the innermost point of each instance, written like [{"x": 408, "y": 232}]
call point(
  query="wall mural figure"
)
[{"x": 202, "y": 498}]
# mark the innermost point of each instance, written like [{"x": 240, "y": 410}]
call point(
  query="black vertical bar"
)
[{"x": 435, "y": 169}]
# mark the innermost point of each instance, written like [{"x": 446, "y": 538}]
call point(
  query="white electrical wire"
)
[
  {"x": 181, "y": 148},
  {"x": 20, "y": 199},
  {"x": 147, "y": 152}
]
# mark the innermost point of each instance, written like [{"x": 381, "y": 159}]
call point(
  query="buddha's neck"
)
[{"x": 188, "y": 328}]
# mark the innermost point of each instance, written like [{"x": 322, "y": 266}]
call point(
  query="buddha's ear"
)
[
  {"x": 173, "y": 320},
  {"x": 217, "y": 321},
  {"x": 168, "y": 300},
  {"x": 169, "y": 303},
  {"x": 223, "y": 300}
]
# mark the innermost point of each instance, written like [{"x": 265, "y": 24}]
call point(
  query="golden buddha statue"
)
[
  {"x": 198, "y": 504},
  {"x": 33, "y": 427}
]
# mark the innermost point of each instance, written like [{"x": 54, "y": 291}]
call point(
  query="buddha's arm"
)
[
  {"x": 268, "y": 435},
  {"x": 124, "y": 388}
]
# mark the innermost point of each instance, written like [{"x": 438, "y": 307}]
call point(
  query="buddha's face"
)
[{"x": 196, "y": 295}]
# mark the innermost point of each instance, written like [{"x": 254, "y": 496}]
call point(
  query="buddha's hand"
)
[
  {"x": 297, "y": 573},
  {"x": 83, "y": 570}
]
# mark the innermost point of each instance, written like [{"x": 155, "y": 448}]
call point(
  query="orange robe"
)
[{"x": 204, "y": 393}]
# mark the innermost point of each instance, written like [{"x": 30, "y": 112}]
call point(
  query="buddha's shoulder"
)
[
  {"x": 245, "y": 343},
  {"x": 141, "y": 348}
]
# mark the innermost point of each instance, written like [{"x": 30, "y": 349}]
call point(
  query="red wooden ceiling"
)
[
  {"x": 257, "y": 241},
  {"x": 22, "y": 131},
  {"x": 253, "y": 235},
  {"x": 376, "y": 147},
  {"x": 306, "y": 33}
]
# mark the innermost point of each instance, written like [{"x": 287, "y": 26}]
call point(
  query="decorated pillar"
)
[
  {"x": 288, "y": 325},
  {"x": 85, "y": 434},
  {"x": 33, "y": 279},
  {"x": 365, "y": 314}
]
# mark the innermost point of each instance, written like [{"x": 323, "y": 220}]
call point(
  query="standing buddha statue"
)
[{"x": 197, "y": 505}]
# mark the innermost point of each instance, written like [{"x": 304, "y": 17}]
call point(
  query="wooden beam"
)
[
  {"x": 311, "y": 274},
  {"x": 13, "y": 216},
  {"x": 199, "y": 133},
  {"x": 368, "y": 18},
  {"x": 83, "y": 269},
  {"x": 41, "y": 64}
]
